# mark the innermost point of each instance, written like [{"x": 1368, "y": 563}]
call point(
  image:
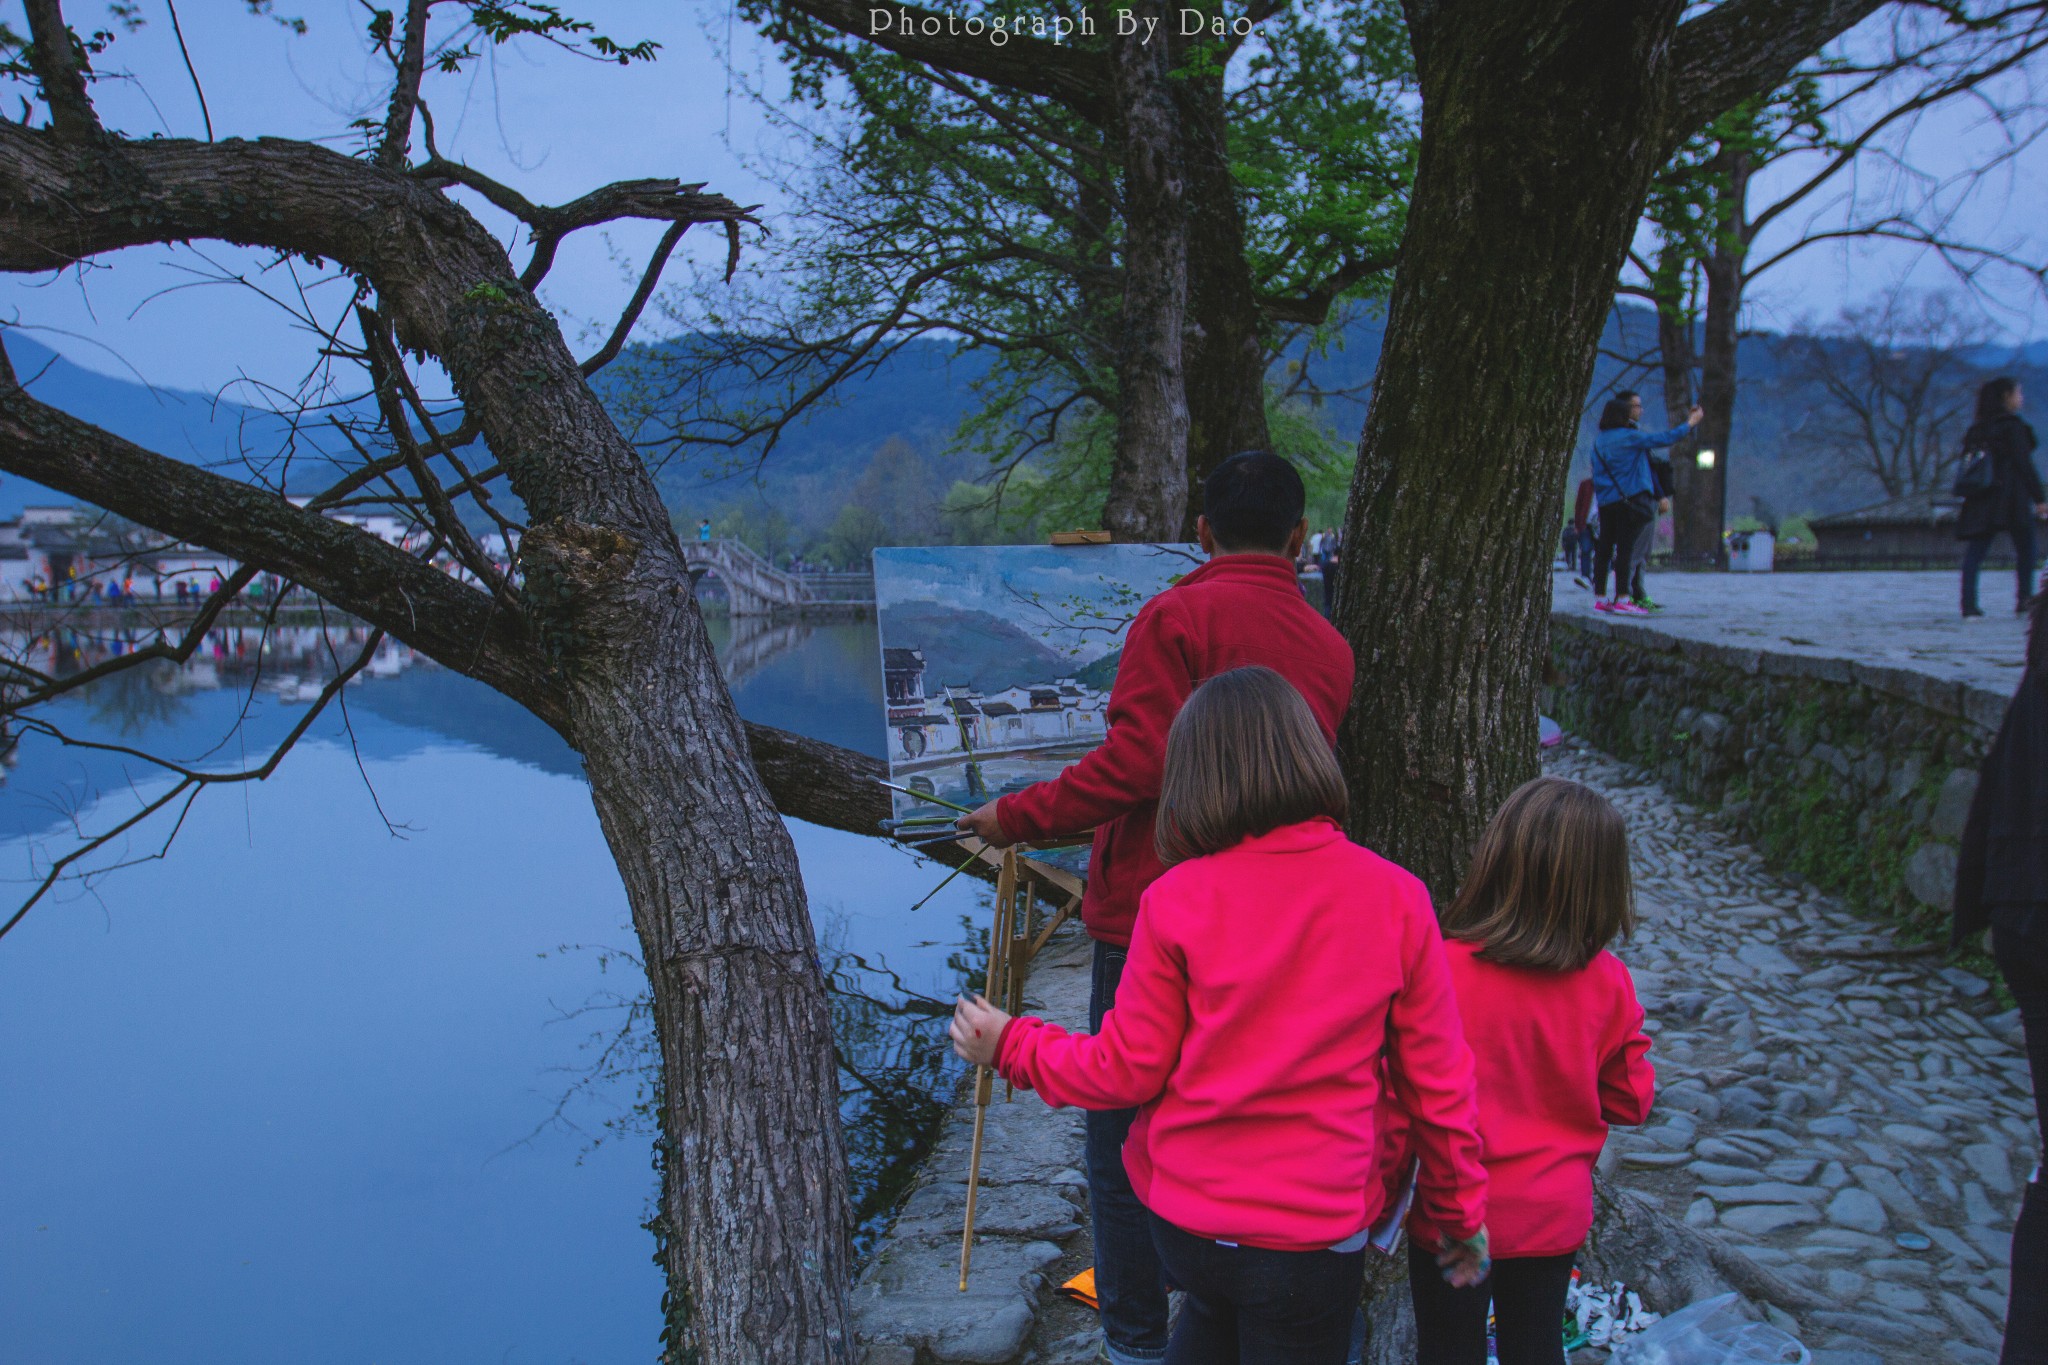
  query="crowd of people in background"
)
[
  {"x": 1323, "y": 551},
  {"x": 105, "y": 589}
]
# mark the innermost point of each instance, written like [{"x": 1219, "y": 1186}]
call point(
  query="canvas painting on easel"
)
[{"x": 997, "y": 660}]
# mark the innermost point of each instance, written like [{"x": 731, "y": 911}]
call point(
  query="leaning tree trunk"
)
[
  {"x": 1531, "y": 172},
  {"x": 1148, "y": 480},
  {"x": 610, "y": 649}
]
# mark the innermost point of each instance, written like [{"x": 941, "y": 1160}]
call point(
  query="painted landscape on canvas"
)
[{"x": 997, "y": 660}]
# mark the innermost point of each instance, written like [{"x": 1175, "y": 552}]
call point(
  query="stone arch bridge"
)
[{"x": 755, "y": 587}]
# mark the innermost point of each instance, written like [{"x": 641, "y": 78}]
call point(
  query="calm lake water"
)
[{"x": 328, "y": 1081}]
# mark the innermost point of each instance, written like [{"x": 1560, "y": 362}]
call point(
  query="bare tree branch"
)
[
  {"x": 405, "y": 91},
  {"x": 1743, "y": 48},
  {"x": 59, "y": 62},
  {"x": 190, "y": 781},
  {"x": 649, "y": 277},
  {"x": 450, "y": 622}
]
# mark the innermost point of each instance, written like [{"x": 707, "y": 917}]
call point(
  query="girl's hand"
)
[
  {"x": 977, "y": 1028},
  {"x": 1465, "y": 1263}
]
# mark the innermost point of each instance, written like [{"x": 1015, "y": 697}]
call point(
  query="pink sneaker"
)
[
  {"x": 1600, "y": 604},
  {"x": 1626, "y": 609}
]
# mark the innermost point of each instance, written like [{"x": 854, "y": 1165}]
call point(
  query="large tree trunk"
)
[
  {"x": 1540, "y": 131},
  {"x": 1226, "y": 347},
  {"x": 610, "y": 650},
  {"x": 754, "y": 1186},
  {"x": 1148, "y": 481},
  {"x": 1725, "y": 284},
  {"x": 1676, "y": 360},
  {"x": 1542, "y": 124}
]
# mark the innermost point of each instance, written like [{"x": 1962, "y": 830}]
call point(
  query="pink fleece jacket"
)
[{"x": 1264, "y": 984}]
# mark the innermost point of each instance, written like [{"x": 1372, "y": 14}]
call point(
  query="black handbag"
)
[
  {"x": 1662, "y": 478},
  {"x": 1976, "y": 477}
]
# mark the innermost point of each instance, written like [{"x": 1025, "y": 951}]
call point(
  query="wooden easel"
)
[{"x": 1012, "y": 943}]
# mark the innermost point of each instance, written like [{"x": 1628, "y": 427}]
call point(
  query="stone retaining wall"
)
[
  {"x": 907, "y": 1303},
  {"x": 1857, "y": 778}
]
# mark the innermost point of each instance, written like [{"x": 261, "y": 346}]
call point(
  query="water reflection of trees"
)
[
  {"x": 896, "y": 1077},
  {"x": 897, "y": 1072}
]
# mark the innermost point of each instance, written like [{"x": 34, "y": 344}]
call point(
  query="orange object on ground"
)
[{"x": 1081, "y": 1289}]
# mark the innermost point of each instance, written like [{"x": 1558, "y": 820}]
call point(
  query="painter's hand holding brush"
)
[
  {"x": 977, "y": 1030},
  {"x": 984, "y": 825}
]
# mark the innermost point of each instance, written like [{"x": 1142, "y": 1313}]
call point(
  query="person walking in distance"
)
[
  {"x": 1588, "y": 526},
  {"x": 1243, "y": 607},
  {"x": 1281, "y": 980},
  {"x": 1626, "y": 490},
  {"x": 2002, "y": 885},
  {"x": 2001, "y": 489}
]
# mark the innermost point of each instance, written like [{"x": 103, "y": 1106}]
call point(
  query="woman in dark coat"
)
[
  {"x": 2002, "y": 885},
  {"x": 2014, "y": 497}
]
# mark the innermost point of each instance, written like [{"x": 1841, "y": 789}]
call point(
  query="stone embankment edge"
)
[
  {"x": 1856, "y": 776},
  {"x": 908, "y": 1307}
]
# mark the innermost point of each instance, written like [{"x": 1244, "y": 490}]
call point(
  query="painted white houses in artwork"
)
[{"x": 962, "y": 722}]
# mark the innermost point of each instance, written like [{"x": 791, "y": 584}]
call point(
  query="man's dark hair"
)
[{"x": 1253, "y": 501}]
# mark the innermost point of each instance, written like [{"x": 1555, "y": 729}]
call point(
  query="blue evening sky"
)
[{"x": 555, "y": 126}]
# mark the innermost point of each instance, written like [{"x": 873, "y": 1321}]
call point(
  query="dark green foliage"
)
[{"x": 949, "y": 208}]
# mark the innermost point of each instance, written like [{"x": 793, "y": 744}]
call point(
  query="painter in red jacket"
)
[
  {"x": 1243, "y": 607},
  {"x": 1557, "y": 1039},
  {"x": 1278, "y": 972}
]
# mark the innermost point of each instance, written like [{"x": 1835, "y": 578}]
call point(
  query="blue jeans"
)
[
  {"x": 1249, "y": 1306},
  {"x": 1976, "y": 548},
  {"x": 1130, "y": 1286}
]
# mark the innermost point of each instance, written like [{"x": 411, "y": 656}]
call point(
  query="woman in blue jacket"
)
[{"x": 1627, "y": 493}]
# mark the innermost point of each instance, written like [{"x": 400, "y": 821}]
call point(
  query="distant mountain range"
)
[
  {"x": 923, "y": 392},
  {"x": 970, "y": 647}
]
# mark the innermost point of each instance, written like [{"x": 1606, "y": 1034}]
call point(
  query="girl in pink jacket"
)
[{"x": 1272, "y": 968}]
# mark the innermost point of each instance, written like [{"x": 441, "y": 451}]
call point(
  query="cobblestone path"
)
[{"x": 1819, "y": 1092}]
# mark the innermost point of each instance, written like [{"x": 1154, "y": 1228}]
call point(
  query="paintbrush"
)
[
  {"x": 927, "y": 797},
  {"x": 915, "y": 822},
  {"x": 949, "y": 877}
]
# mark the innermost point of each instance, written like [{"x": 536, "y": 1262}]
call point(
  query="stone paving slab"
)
[
  {"x": 907, "y": 1304},
  {"x": 1905, "y": 621},
  {"x": 1821, "y": 1089}
]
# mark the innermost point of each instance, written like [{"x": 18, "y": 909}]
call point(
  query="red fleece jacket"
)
[
  {"x": 1560, "y": 1056},
  {"x": 1234, "y": 610},
  {"x": 1265, "y": 986}
]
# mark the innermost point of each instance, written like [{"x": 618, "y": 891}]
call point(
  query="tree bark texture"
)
[
  {"x": 1148, "y": 480},
  {"x": 1700, "y": 504},
  {"x": 1677, "y": 358},
  {"x": 1726, "y": 281},
  {"x": 754, "y": 1207},
  {"x": 1542, "y": 124},
  {"x": 1225, "y": 341},
  {"x": 1528, "y": 181}
]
